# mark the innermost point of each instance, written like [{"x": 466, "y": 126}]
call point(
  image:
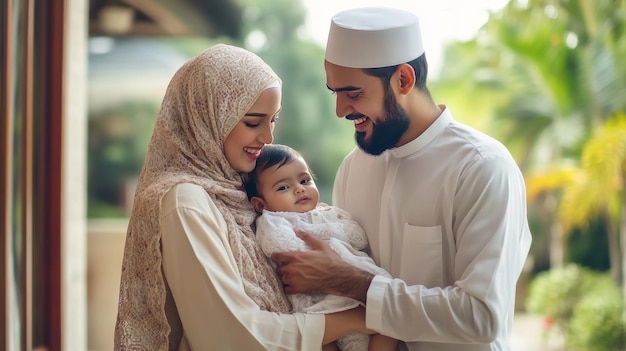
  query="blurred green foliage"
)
[
  {"x": 589, "y": 250},
  {"x": 541, "y": 76},
  {"x": 556, "y": 292},
  {"x": 586, "y": 305},
  {"x": 119, "y": 135},
  {"x": 117, "y": 143},
  {"x": 597, "y": 321},
  {"x": 544, "y": 77}
]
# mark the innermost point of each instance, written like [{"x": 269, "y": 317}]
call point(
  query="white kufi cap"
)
[{"x": 372, "y": 37}]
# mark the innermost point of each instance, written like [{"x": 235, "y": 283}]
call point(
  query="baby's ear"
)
[{"x": 258, "y": 203}]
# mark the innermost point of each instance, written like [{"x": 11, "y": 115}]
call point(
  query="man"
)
[{"x": 443, "y": 205}]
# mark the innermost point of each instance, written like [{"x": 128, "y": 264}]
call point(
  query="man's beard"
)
[{"x": 388, "y": 130}]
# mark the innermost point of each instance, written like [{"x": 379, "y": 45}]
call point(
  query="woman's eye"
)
[{"x": 252, "y": 125}]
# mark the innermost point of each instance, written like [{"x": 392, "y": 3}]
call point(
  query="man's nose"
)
[{"x": 343, "y": 106}]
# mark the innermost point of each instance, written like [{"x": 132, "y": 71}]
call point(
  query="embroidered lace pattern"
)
[{"x": 205, "y": 99}]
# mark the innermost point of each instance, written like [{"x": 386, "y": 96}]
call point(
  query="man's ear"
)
[
  {"x": 258, "y": 203},
  {"x": 406, "y": 78}
]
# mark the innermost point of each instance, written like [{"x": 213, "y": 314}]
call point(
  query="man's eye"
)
[{"x": 353, "y": 96}]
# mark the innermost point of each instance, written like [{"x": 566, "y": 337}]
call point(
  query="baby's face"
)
[{"x": 288, "y": 188}]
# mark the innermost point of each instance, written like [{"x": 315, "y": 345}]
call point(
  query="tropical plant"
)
[
  {"x": 585, "y": 305},
  {"x": 555, "y": 73},
  {"x": 555, "y": 293},
  {"x": 598, "y": 188},
  {"x": 596, "y": 323}
]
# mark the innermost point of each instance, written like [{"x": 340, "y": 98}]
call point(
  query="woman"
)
[{"x": 193, "y": 276}]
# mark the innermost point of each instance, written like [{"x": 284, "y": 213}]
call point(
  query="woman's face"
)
[{"x": 244, "y": 143}]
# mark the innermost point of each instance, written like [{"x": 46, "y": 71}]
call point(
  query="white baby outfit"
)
[{"x": 275, "y": 233}]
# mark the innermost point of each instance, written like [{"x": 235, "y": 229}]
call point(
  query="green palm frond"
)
[
  {"x": 550, "y": 180},
  {"x": 603, "y": 167}
]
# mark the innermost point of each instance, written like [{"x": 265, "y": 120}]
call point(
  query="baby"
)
[{"x": 282, "y": 191}]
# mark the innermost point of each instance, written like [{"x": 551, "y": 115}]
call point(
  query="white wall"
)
[
  {"x": 104, "y": 268},
  {"x": 74, "y": 185}
]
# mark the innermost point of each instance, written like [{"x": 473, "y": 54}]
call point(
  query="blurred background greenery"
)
[{"x": 546, "y": 77}]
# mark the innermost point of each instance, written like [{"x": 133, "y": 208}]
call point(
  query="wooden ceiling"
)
[{"x": 165, "y": 18}]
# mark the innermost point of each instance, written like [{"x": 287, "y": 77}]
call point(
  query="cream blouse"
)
[{"x": 202, "y": 275}]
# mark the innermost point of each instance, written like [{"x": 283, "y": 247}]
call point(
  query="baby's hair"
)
[{"x": 271, "y": 155}]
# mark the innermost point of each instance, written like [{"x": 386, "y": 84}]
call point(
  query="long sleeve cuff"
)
[
  {"x": 374, "y": 303},
  {"x": 315, "y": 324}
]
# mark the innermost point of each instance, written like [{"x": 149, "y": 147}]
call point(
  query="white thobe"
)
[
  {"x": 445, "y": 214},
  {"x": 205, "y": 282}
]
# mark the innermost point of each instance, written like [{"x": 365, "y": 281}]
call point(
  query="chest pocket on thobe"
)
[{"x": 421, "y": 261}]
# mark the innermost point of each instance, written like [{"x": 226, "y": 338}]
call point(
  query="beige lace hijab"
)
[{"x": 204, "y": 101}]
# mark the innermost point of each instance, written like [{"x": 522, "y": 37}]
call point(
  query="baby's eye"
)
[
  {"x": 305, "y": 181},
  {"x": 281, "y": 188}
]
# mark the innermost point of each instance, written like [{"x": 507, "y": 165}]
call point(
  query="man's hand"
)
[{"x": 320, "y": 270}]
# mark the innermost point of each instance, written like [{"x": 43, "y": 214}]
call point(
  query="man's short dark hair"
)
[{"x": 420, "y": 66}]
